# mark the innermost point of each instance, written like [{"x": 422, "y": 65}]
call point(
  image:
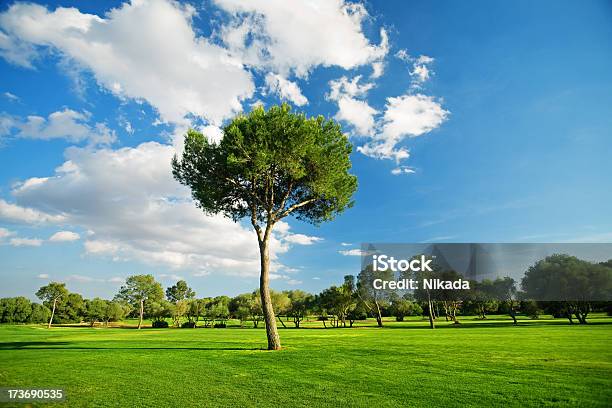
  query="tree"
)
[
  {"x": 218, "y": 309},
  {"x": 139, "y": 289},
  {"x": 195, "y": 310},
  {"x": 51, "y": 294},
  {"x": 179, "y": 291},
  {"x": 339, "y": 301},
  {"x": 573, "y": 282},
  {"x": 482, "y": 297},
  {"x": 505, "y": 291},
  {"x": 269, "y": 165},
  {"x": 373, "y": 299},
  {"x": 240, "y": 307},
  {"x": 404, "y": 307},
  {"x": 71, "y": 309},
  {"x": 158, "y": 310},
  {"x": 179, "y": 310},
  {"x": 95, "y": 310},
  {"x": 114, "y": 311},
  {"x": 40, "y": 313},
  {"x": 301, "y": 303},
  {"x": 281, "y": 303}
]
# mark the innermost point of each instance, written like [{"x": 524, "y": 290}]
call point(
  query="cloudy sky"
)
[{"x": 487, "y": 121}]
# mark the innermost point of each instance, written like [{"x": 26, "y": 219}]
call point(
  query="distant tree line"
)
[{"x": 555, "y": 277}]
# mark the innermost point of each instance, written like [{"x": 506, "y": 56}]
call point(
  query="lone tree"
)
[
  {"x": 139, "y": 289},
  {"x": 270, "y": 164},
  {"x": 51, "y": 294}
]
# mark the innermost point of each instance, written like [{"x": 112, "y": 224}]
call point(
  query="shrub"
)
[
  {"x": 160, "y": 324},
  {"x": 220, "y": 325},
  {"x": 188, "y": 325}
]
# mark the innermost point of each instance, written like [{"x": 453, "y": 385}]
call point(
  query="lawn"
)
[{"x": 491, "y": 363}]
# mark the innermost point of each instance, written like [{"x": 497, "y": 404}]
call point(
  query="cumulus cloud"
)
[
  {"x": 66, "y": 124},
  {"x": 421, "y": 67},
  {"x": 285, "y": 89},
  {"x": 356, "y": 112},
  {"x": 135, "y": 210},
  {"x": 128, "y": 51},
  {"x": 404, "y": 117},
  {"x": 43, "y": 276},
  {"x": 64, "y": 236},
  {"x": 15, "y": 213},
  {"x": 298, "y": 36}
]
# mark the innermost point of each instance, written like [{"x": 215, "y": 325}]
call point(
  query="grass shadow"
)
[{"x": 64, "y": 345}]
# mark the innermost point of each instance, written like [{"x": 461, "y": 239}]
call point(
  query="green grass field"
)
[{"x": 490, "y": 363}]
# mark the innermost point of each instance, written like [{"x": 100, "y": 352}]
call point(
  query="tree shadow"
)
[
  {"x": 468, "y": 324},
  {"x": 64, "y": 345}
]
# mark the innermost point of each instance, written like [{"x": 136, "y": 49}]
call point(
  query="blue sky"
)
[{"x": 505, "y": 109}]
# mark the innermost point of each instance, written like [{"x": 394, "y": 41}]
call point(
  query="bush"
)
[
  {"x": 220, "y": 326},
  {"x": 188, "y": 325},
  {"x": 160, "y": 324}
]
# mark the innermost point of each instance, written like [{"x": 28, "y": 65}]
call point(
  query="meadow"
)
[{"x": 543, "y": 362}]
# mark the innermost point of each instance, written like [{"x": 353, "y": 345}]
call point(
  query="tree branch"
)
[{"x": 295, "y": 207}]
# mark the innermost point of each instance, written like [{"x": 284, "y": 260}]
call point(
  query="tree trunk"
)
[
  {"x": 52, "y": 313},
  {"x": 378, "y": 315},
  {"x": 141, "y": 313},
  {"x": 266, "y": 301},
  {"x": 432, "y": 322},
  {"x": 281, "y": 320}
]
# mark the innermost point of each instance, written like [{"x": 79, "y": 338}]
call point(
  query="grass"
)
[{"x": 490, "y": 363}]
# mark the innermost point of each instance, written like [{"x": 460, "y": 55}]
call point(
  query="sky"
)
[{"x": 480, "y": 121}]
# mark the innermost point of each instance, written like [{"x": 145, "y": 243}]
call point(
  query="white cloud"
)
[
  {"x": 316, "y": 278},
  {"x": 405, "y": 116},
  {"x": 378, "y": 68},
  {"x": 4, "y": 233},
  {"x": 346, "y": 244},
  {"x": 84, "y": 279},
  {"x": 294, "y": 282},
  {"x": 421, "y": 73},
  {"x": 403, "y": 55},
  {"x": 66, "y": 124},
  {"x": 343, "y": 86},
  {"x": 352, "y": 252},
  {"x": 357, "y": 113},
  {"x": 18, "y": 242},
  {"x": 213, "y": 133},
  {"x": 64, "y": 236},
  {"x": 11, "y": 97},
  {"x": 302, "y": 239},
  {"x": 129, "y": 50},
  {"x": 16, "y": 213},
  {"x": 136, "y": 211},
  {"x": 421, "y": 70},
  {"x": 402, "y": 170},
  {"x": 116, "y": 279},
  {"x": 285, "y": 89},
  {"x": 170, "y": 276},
  {"x": 298, "y": 36},
  {"x": 43, "y": 276}
]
